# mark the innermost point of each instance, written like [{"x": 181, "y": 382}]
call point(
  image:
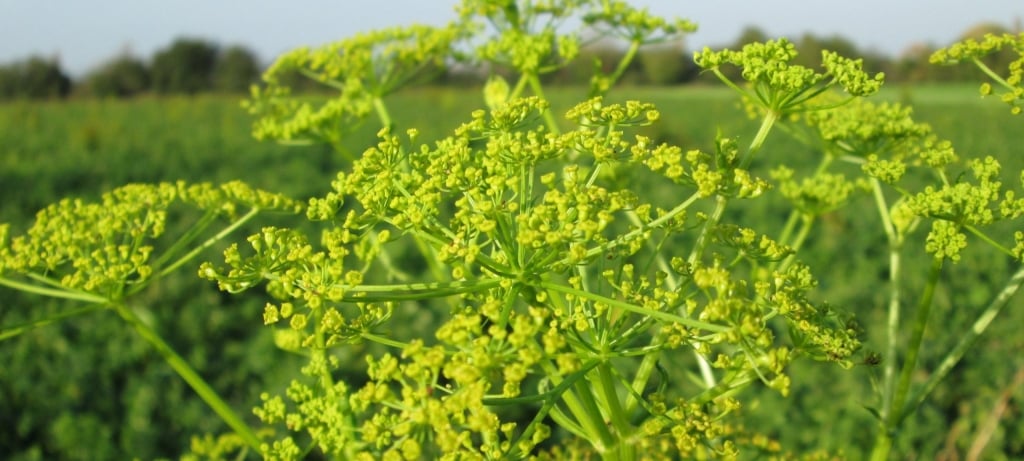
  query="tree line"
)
[
  {"x": 190, "y": 66},
  {"x": 187, "y": 66}
]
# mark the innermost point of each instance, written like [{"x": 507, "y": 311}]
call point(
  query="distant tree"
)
[
  {"x": 750, "y": 34},
  {"x": 666, "y": 64},
  {"x": 237, "y": 68},
  {"x": 912, "y": 65},
  {"x": 123, "y": 76},
  {"x": 34, "y": 78},
  {"x": 810, "y": 46},
  {"x": 9, "y": 82},
  {"x": 601, "y": 56},
  {"x": 187, "y": 66}
]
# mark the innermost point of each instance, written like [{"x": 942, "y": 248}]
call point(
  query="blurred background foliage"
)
[{"x": 193, "y": 65}]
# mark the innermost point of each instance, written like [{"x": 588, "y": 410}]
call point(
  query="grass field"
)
[{"x": 82, "y": 148}]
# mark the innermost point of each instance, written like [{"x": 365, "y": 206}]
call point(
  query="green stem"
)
[
  {"x": 893, "y": 325},
  {"x": 650, "y": 360},
  {"x": 16, "y": 330},
  {"x": 382, "y": 113},
  {"x": 660, "y": 315},
  {"x": 883, "y": 442},
  {"x": 592, "y": 418},
  {"x": 63, "y": 293},
  {"x": 549, "y": 398},
  {"x": 603, "y": 248},
  {"x": 718, "y": 73},
  {"x": 620, "y": 69},
  {"x": 991, "y": 74},
  {"x": 966, "y": 341},
  {"x": 917, "y": 336},
  {"x": 549, "y": 117},
  {"x": 892, "y": 330},
  {"x": 806, "y": 223},
  {"x": 187, "y": 373},
  {"x": 417, "y": 291},
  {"x": 787, "y": 229},
  {"x": 327, "y": 384},
  {"x": 208, "y": 243},
  {"x": 583, "y": 422},
  {"x": 185, "y": 239},
  {"x": 762, "y": 134},
  {"x": 705, "y": 232},
  {"x": 619, "y": 419},
  {"x": 518, "y": 89},
  {"x": 383, "y": 340},
  {"x": 984, "y": 237}
]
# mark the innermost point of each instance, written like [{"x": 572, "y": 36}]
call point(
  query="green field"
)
[{"x": 88, "y": 390}]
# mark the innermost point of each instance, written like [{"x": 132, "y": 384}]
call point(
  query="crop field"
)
[{"x": 88, "y": 389}]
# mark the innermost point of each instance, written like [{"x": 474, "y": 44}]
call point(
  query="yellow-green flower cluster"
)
[
  {"x": 526, "y": 36},
  {"x": 750, "y": 244},
  {"x": 781, "y": 87},
  {"x": 688, "y": 427},
  {"x": 362, "y": 69},
  {"x": 317, "y": 406},
  {"x": 636, "y": 24},
  {"x": 971, "y": 50},
  {"x": 716, "y": 174},
  {"x": 105, "y": 247},
  {"x": 817, "y": 194},
  {"x": 863, "y": 128},
  {"x": 553, "y": 275},
  {"x": 964, "y": 203}
]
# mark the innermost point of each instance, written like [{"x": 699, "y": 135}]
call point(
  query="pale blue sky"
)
[{"x": 83, "y": 33}]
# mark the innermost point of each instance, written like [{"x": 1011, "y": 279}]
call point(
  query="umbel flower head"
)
[
  {"x": 104, "y": 248},
  {"x": 973, "y": 51},
  {"x": 548, "y": 271},
  {"x": 778, "y": 86}
]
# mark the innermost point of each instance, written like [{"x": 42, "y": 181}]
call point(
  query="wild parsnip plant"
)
[{"x": 586, "y": 312}]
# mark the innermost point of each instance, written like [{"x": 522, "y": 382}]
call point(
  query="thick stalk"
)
[
  {"x": 592, "y": 429},
  {"x": 883, "y": 443},
  {"x": 382, "y": 113},
  {"x": 762, "y": 134},
  {"x": 920, "y": 323},
  {"x": 619, "y": 419},
  {"x": 187, "y": 373},
  {"x": 593, "y": 419},
  {"x": 895, "y": 241},
  {"x": 892, "y": 329}
]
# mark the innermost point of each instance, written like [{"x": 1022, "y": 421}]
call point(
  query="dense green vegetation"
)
[{"x": 88, "y": 389}]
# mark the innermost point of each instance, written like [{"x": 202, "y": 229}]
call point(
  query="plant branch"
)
[
  {"x": 187, "y": 373},
  {"x": 10, "y": 332}
]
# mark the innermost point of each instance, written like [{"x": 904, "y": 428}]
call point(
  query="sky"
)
[{"x": 83, "y": 34}]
